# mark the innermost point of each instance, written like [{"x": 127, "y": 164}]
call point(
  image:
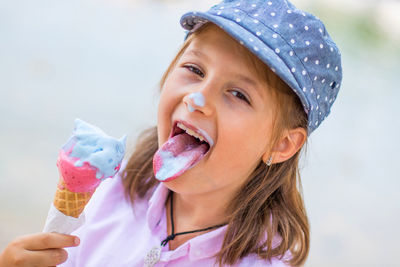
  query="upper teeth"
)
[{"x": 190, "y": 132}]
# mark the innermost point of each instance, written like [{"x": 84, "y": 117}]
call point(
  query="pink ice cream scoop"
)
[{"x": 76, "y": 179}]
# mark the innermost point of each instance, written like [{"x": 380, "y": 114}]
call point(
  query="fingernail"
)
[{"x": 76, "y": 240}]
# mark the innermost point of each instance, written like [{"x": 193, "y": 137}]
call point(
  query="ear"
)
[{"x": 291, "y": 141}]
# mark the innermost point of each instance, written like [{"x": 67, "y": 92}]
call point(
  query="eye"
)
[
  {"x": 240, "y": 95},
  {"x": 195, "y": 70}
]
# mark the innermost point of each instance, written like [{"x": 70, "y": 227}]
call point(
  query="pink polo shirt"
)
[{"x": 117, "y": 234}]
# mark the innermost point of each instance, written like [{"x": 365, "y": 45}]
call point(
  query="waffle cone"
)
[{"x": 70, "y": 203}]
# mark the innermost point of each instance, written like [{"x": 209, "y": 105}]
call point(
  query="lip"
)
[{"x": 201, "y": 132}]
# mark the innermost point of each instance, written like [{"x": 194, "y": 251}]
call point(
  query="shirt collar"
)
[{"x": 156, "y": 206}]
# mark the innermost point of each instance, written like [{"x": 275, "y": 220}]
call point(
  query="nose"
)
[{"x": 197, "y": 102}]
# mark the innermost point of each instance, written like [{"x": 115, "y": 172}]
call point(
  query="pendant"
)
[{"x": 152, "y": 257}]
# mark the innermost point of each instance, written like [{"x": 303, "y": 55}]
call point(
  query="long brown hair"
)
[{"x": 269, "y": 204}]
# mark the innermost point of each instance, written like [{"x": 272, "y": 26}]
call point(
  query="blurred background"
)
[{"x": 101, "y": 61}]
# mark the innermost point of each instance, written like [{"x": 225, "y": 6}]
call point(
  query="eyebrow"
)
[
  {"x": 246, "y": 80},
  {"x": 197, "y": 53}
]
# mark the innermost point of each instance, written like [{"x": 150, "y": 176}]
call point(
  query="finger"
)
[
  {"x": 49, "y": 240},
  {"x": 47, "y": 257}
]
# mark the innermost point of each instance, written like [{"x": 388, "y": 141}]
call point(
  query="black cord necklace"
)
[
  {"x": 173, "y": 234},
  {"x": 153, "y": 256}
]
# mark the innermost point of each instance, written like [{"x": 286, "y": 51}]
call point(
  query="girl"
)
[{"x": 216, "y": 182}]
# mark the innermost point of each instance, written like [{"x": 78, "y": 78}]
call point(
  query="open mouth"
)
[{"x": 184, "y": 149}]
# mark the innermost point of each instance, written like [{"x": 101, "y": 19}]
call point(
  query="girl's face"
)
[{"x": 237, "y": 112}]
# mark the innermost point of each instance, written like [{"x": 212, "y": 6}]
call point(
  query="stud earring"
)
[{"x": 269, "y": 162}]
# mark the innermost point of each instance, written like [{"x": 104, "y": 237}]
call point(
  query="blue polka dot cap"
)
[{"x": 293, "y": 43}]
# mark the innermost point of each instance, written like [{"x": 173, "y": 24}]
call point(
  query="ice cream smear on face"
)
[
  {"x": 198, "y": 99},
  {"x": 89, "y": 157},
  {"x": 183, "y": 150}
]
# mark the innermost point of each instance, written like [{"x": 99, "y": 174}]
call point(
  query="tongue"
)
[{"x": 177, "y": 155}]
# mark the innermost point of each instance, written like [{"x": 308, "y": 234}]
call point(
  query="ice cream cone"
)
[
  {"x": 89, "y": 157},
  {"x": 70, "y": 203}
]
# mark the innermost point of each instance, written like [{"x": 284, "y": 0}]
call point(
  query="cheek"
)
[
  {"x": 170, "y": 99},
  {"x": 236, "y": 139},
  {"x": 163, "y": 116},
  {"x": 245, "y": 139},
  {"x": 170, "y": 94},
  {"x": 163, "y": 103}
]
